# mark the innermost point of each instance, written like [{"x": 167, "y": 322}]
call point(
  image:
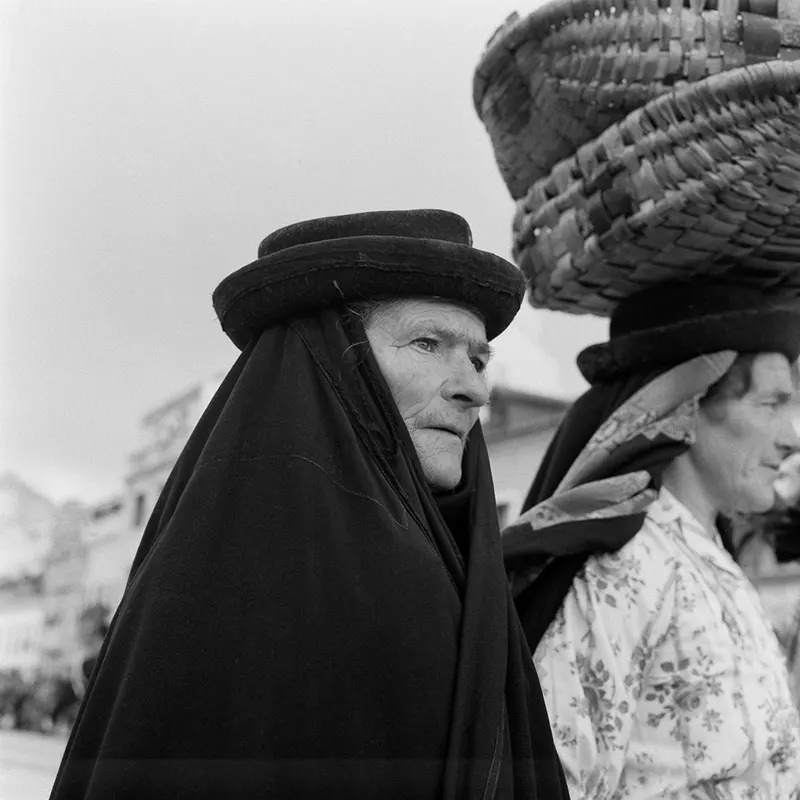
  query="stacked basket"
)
[{"x": 647, "y": 142}]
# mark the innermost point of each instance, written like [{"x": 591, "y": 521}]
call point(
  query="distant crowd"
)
[{"x": 47, "y": 701}]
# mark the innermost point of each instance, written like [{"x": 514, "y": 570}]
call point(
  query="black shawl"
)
[{"x": 299, "y": 620}]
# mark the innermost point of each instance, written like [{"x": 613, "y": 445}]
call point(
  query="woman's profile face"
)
[
  {"x": 433, "y": 355},
  {"x": 742, "y": 440}
]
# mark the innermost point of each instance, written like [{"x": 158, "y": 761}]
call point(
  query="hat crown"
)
[
  {"x": 414, "y": 224},
  {"x": 670, "y": 304},
  {"x": 332, "y": 261}
]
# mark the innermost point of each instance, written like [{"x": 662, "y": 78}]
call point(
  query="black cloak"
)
[{"x": 300, "y": 620}]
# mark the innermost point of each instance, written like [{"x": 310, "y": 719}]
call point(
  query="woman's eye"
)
[
  {"x": 479, "y": 364},
  {"x": 426, "y": 343}
]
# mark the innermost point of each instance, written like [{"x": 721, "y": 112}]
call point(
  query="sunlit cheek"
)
[
  {"x": 406, "y": 397},
  {"x": 440, "y": 457},
  {"x": 411, "y": 390},
  {"x": 756, "y": 487}
]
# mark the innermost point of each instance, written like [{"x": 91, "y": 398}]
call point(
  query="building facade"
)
[
  {"x": 21, "y": 629},
  {"x": 114, "y": 529},
  {"x": 518, "y": 427},
  {"x": 27, "y": 523}
]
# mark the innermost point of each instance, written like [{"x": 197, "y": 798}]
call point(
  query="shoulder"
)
[
  {"x": 640, "y": 573},
  {"x": 625, "y": 598},
  {"x": 628, "y": 596}
]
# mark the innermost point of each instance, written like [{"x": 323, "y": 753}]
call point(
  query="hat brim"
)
[
  {"x": 701, "y": 183},
  {"x": 300, "y": 279},
  {"x": 768, "y": 330}
]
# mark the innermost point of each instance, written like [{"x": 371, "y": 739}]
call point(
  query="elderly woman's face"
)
[
  {"x": 433, "y": 354},
  {"x": 743, "y": 440}
]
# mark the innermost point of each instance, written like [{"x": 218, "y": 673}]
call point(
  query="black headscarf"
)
[{"x": 299, "y": 620}]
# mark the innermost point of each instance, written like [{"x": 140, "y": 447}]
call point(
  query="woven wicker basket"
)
[
  {"x": 552, "y": 81},
  {"x": 701, "y": 182}
]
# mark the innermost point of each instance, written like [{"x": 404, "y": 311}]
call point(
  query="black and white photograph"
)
[{"x": 400, "y": 400}]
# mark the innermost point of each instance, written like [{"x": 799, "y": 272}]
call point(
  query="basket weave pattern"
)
[
  {"x": 556, "y": 79},
  {"x": 706, "y": 174}
]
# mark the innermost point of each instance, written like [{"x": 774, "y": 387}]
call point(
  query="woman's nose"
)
[
  {"x": 788, "y": 439},
  {"x": 466, "y": 385}
]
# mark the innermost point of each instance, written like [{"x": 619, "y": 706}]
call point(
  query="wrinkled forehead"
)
[
  {"x": 445, "y": 316},
  {"x": 774, "y": 372}
]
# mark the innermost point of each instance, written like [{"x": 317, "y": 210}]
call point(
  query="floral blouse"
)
[{"x": 663, "y": 678}]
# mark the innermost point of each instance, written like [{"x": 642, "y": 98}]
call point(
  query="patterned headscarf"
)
[{"x": 601, "y": 500}]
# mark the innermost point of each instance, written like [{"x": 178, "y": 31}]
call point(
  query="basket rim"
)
[
  {"x": 663, "y": 117},
  {"x": 538, "y": 24}
]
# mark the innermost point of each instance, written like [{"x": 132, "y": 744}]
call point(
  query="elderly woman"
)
[
  {"x": 318, "y": 606},
  {"x": 661, "y": 673}
]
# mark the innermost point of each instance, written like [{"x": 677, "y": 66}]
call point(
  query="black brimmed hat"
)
[
  {"x": 669, "y": 324},
  {"x": 345, "y": 259}
]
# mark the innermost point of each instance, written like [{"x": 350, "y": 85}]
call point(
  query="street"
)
[{"x": 28, "y": 764}]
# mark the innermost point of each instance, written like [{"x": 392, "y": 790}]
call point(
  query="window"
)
[
  {"x": 138, "y": 510},
  {"x": 503, "y": 514},
  {"x": 508, "y": 507}
]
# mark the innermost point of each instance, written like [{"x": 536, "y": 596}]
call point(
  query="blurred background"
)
[{"x": 146, "y": 147}]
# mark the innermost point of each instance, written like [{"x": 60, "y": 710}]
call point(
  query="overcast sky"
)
[{"x": 147, "y": 146}]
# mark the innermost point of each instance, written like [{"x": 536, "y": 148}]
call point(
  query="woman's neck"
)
[{"x": 682, "y": 479}]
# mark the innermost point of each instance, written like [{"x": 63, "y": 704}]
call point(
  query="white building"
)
[
  {"x": 518, "y": 427},
  {"x": 21, "y": 633},
  {"x": 27, "y": 522},
  {"x": 26, "y": 527}
]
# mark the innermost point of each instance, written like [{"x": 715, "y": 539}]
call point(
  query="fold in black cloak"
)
[{"x": 299, "y": 620}]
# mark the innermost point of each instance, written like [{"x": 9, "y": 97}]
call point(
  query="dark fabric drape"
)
[{"x": 299, "y": 620}]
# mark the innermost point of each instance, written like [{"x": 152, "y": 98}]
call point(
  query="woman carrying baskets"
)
[{"x": 660, "y": 188}]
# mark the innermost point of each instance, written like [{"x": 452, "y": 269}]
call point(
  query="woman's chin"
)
[{"x": 442, "y": 477}]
